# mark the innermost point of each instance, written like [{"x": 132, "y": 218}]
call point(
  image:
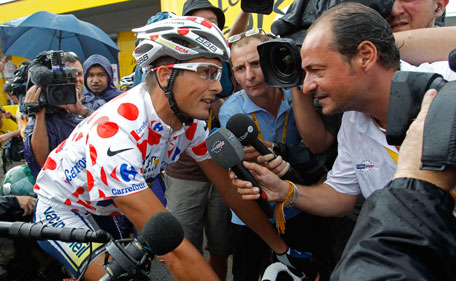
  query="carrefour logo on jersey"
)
[
  {"x": 158, "y": 127},
  {"x": 127, "y": 171},
  {"x": 129, "y": 189},
  {"x": 141, "y": 129},
  {"x": 77, "y": 168}
]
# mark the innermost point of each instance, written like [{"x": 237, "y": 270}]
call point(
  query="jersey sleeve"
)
[{"x": 197, "y": 134}]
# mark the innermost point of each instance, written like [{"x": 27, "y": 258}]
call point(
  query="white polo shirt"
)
[{"x": 364, "y": 164}]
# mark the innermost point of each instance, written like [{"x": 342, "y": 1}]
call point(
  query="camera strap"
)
[{"x": 439, "y": 146}]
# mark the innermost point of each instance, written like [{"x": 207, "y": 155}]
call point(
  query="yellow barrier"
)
[{"x": 9, "y": 125}]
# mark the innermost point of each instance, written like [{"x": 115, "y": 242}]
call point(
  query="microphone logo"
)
[
  {"x": 217, "y": 146},
  {"x": 242, "y": 137}
]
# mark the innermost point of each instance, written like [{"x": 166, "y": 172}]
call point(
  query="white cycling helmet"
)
[{"x": 182, "y": 38}]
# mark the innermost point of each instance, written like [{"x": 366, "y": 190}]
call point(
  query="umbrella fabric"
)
[{"x": 42, "y": 31}]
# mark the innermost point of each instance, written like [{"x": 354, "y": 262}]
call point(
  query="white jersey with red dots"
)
[{"x": 116, "y": 152}]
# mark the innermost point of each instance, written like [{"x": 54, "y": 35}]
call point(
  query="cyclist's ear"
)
[{"x": 163, "y": 75}]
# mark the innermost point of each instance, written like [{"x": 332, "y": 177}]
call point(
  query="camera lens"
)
[{"x": 283, "y": 61}]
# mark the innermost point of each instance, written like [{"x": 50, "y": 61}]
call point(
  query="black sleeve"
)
[
  {"x": 406, "y": 231},
  {"x": 9, "y": 208}
]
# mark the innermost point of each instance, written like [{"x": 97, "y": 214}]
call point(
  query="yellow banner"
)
[
  {"x": 126, "y": 41},
  {"x": 231, "y": 9},
  {"x": 24, "y": 8}
]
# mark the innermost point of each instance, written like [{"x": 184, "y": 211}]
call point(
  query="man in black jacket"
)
[{"x": 14, "y": 207}]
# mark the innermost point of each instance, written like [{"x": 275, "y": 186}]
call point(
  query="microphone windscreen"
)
[
  {"x": 243, "y": 128},
  {"x": 452, "y": 60},
  {"x": 40, "y": 76},
  {"x": 224, "y": 148},
  {"x": 163, "y": 233}
]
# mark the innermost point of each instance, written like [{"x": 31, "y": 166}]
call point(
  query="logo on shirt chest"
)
[
  {"x": 151, "y": 164},
  {"x": 365, "y": 166}
]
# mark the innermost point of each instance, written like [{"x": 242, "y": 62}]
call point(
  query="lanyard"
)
[
  {"x": 260, "y": 135},
  {"x": 209, "y": 122}
]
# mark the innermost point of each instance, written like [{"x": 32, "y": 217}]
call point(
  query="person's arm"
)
[
  {"x": 7, "y": 114},
  {"x": 320, "y": 200},
  {"x": 27, "y": 203},
  {"x": 185, "y": 262},
  {"x": 39, "y": 141},
  {"x": 240, "y": 23},
  {"x": 309, "y": 123},
  {"x": 422, "y": 45},
  {"x": 248, "y": 211},
  {"x": 9, "y": 135}
]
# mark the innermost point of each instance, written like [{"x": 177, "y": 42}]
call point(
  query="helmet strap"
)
[{"x": 169, "y": 94}]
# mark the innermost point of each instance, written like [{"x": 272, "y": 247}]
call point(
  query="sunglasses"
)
[
  {"x": 248, "y": 33},
  {"x": 207, "y": 71}
]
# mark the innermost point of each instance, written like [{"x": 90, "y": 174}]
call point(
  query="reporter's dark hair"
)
[{"x": 353, "y": 23}]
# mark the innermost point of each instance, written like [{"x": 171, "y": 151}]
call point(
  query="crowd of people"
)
[{"x": 348, "y": 205}]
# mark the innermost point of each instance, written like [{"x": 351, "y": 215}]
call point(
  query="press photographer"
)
[{"x": 55, "y": 83}]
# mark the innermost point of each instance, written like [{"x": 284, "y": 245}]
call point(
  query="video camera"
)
[
  {"x": 48, "y": 72},
  {"x": 439, "y": 139},
  {"x": 19, "y": 83}
]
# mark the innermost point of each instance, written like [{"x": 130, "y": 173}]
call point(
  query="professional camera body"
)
[
  {"x": 439, "y": 138},
  {"x": 280, "y": 58},
  {"x": 55, "y": 80},
  {"x": 280, "y": 61}
]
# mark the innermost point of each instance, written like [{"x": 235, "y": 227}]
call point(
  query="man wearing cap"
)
[{"x": 190, "y": 195}]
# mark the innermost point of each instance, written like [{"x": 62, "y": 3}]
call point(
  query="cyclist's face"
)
[{"x": 193, "y": 93}]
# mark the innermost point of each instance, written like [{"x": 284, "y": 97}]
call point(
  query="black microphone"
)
[
  {"x": 452, "y": 60},
  {"x": 161, "y": 234},
  {"x": 42, "y": 232},
  {"x": 41, "y": 76},
  {"x": 247, "y": 132},
  {"x": 226, "y": 150}
]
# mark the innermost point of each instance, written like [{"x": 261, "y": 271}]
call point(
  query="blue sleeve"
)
[{"x": 28, "y": 153}]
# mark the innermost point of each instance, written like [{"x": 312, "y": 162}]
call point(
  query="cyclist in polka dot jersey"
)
[{"x": 106, "y": 165}]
